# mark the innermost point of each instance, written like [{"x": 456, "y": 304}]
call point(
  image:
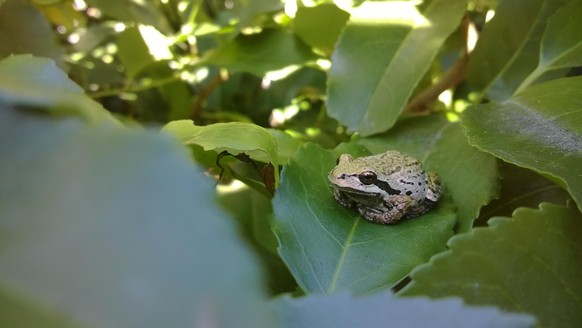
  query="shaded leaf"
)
[
  {"x": 529, "y": 263},
  {"x": 470, "y": 175},
  {"x": 508, "y": 48},
  {"x": 521, "y": 187},
  {"x": 383, "y": 53},
  {"x": 385, "y": 310},
  {"x": 561, "y": 45},
  {"x": 259, "y": 53},
  {"x": 320, "y": 26},
  {"x": 540, "y": 129},
  {"x": 115, "y": 228},
  {"x": 286, "y": 145},
  {"x": 37, "y": 82},
  {"x": 24, "y": 30},
  {"x": 329, "y": 248},
  {"x": 234, "y": 137}
]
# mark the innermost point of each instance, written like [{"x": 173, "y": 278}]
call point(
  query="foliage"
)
[{"x": 164, "y": 163}]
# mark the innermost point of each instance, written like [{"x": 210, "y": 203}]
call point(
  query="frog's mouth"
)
[{"x": 355, "y": 191}]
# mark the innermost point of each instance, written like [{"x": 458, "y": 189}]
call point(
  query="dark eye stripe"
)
[{"x": 386, "y": 187}]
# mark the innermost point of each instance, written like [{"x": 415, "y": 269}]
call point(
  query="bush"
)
[{"x": 164, "y": 163}]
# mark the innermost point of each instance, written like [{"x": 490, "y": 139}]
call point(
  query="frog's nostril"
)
[{"x": 342, "y": 176}]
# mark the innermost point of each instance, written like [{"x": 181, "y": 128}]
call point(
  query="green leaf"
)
[
  {"x": 561, "y": 44},
  {"x": 320, "y": 26},
  {"x": 16, "y": 312},
  {"x": 530, "y": 263},
  {"x": 521, "y": 187},
  {"x": 384, "y": 310},
  {"x": 144, "y": 12},
  {"x": 37, "y": 82},
  {"x": 508, "y": 48},
  {"x": 115, "y": 228},
  {"x": 247, "y": 11},
  {"x": 270, "y": 50},
  {"x": 286, "y": 144},
  {"x": 133, "y": 51},
  {"x": 234, "y": 137},
  {"x": 539, "y": 129},
  {"x": 383, "y": 53},
  {"x": 470, "y": 175},
  {"x": 24, "y": 30},
  {"x": 329, "y": 248}
]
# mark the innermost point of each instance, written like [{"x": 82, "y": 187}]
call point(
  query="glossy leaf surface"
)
[{"x": 540, "y": 129}]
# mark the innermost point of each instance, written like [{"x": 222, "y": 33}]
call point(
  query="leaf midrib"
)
[{"x": 340, "y": 262}]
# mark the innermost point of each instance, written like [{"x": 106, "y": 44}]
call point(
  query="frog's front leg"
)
[{"x": 397, "y": 208}]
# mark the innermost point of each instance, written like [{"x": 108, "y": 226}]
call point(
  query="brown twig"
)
[
  {"x": 204, "y": 94},
  {"x": 452, "y": 77}
]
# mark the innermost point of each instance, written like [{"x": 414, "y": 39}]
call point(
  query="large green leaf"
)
[
  {"x": 529, "y": 263},
  {"x": 37, "y": 82},
  {"x": 468, "y": 174},
  {"x": 329, "y": 248},
  {"x": 234, "y": 137},
  {"x": 561, "y": 44},
  {"x": 384, "y": 310},
  {"x": 320, "y": 26},
  {"x": 540, "y": 129},
  {"x": 115, "y": 228},
  {"x": 24, "y": 30},
  {"x": 259, "y": 53},
  {"x": 508, "y": 48},
  {"x": 384, "y": 51}
]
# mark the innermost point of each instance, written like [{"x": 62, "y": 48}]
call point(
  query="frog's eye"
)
[{"x": 367, "y": 177}]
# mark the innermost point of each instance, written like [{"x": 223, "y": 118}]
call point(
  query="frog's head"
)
[{"x": 360, "y": 176}]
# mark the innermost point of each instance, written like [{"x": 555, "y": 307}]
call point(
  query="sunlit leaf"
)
[
  {"x": 540, "y": 129},
  {"x": 115, "y": 228},
  {"x": 530, "y": 263},
  {"x": 382, "y": 54},
  {"x": 234, "y": 137},
  {"x": 320, "y": 26},
  {"x": 384, "y": 310},
  {"x": 329, "y": 248},
  {"x": 132, "y": 51}
]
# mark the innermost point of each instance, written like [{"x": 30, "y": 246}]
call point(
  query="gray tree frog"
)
[{"x": 384, "y": 188}]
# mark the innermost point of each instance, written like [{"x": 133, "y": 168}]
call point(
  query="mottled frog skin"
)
[{"x": 385, "y": 188}]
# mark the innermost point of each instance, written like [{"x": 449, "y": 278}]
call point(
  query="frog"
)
[{"x": 385, "y": 188}]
